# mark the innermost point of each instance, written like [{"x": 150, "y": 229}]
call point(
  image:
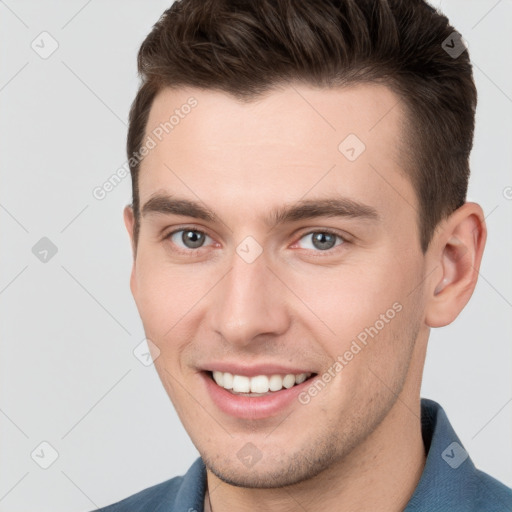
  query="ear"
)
[
  {"x": 129, "y": 222},
  {"x": 457, "y": 249}
]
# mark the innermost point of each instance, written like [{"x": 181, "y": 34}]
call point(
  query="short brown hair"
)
[{"x": 247, "y": 47}]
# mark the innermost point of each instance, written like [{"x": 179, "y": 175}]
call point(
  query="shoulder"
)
[
  {"x": 148, "y": 499},
  {"x": 178, "y": 492},
  {"x": 490, "y": 494},
  {"x": 450, "y": 480}
]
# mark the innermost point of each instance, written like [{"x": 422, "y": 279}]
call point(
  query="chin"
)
[{"x": 270, "y": 474}]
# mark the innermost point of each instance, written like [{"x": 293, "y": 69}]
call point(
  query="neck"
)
[{"x": 380, "y": 474}]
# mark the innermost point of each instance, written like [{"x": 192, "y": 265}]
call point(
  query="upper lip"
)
[{"x": 255, "y": 369}]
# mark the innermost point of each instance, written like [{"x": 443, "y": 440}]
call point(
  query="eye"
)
[
  {"x": 189, "y": 238},
  {"x": 320, "y": 240}
]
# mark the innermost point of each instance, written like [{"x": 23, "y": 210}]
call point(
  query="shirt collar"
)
[{"x": 448, "y": 471}]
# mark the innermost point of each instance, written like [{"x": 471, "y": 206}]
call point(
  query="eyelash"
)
[
  {"x": 325, "y": 231},
  {"x": 188, "y": 252},
  {"x": 319, "y": 252}
]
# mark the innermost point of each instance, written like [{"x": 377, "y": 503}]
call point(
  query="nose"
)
[{"x": 249, "y": 303}]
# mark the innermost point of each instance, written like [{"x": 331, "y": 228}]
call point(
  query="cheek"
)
[
  {"x": 365, "y": 312},
  {"x": 348, "y": 299},
  {"x": 171, "y": 301},
  {"x": 156, "y": 303},
  {"x": 163, "y": 294}
]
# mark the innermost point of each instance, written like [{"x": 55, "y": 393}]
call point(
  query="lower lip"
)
[{"x": 254, "y": 408}]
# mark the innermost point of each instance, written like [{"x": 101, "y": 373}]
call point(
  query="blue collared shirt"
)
[{"x": 450, "y": 481}]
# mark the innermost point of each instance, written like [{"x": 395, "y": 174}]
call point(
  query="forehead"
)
[{"x": 290, "y": 142}]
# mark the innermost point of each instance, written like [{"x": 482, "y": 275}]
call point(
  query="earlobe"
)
[{"x": 459, "y": 246}]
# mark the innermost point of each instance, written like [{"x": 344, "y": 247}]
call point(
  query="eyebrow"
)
[{"x": 301, "y": 210}]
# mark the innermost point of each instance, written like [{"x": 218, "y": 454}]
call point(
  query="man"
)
[{"x": 298, "y": 225}]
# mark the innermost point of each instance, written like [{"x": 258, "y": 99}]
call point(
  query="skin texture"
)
[{"x": 357, "y": 444}]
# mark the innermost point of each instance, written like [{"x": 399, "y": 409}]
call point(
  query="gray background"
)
[{"x": 68, "y": 375}]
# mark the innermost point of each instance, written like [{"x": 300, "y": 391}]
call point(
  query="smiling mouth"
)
[{"x": 259, "y": 385}]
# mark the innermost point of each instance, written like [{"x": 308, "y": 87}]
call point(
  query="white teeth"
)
[
  {"x": 218, "y": 377},
  {"x": 241, "y": 384},
  {"x": 259, "y": 383},
  {"x": 289, "y": 381},
  {"x": 227, "y": 381},
  {"x": 299, "y": 379},
  {"x": 275, "y": 383}
]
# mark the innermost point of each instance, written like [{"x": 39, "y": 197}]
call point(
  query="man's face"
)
[{"x": 265, "y": 293}]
